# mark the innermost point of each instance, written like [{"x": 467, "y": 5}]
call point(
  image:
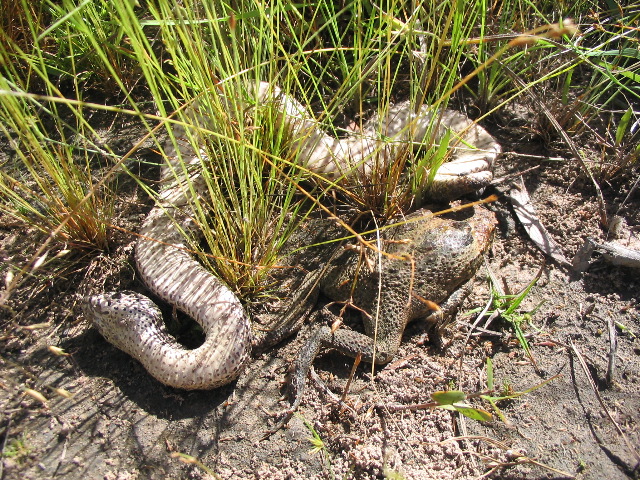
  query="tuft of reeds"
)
[{"x": 343, "y": 62}]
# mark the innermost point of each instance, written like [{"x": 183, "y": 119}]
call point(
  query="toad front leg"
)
[
  {"x": 348, "y": 342},
  {"x": 352, "y": 343}
]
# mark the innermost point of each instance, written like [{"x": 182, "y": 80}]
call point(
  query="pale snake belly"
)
[{"x": 131, "y": 321}]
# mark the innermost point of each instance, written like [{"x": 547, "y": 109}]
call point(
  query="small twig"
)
[
  {"x": 356, "y": 362},
  {"x": 613, "y": 347},
  {"x": 515, "y": 456},
  {"x": 478, "y": 331},
  {"x": 611, "y": 252},
  {"x": 413, "y": 406}
]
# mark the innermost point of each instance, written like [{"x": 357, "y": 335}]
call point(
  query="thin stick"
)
[
  {"x": 350, "y": 379},
  {"x": 613, "y": 347}
]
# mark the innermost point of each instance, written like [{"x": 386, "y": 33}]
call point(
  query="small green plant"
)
[
  {"x": 16, "y": 448},
  {"x": 454, "y": 400},
  {"x": 582, "y": 465},
  {"x": 507, "y": 307},
  {"x": 507, "y": 392},
  {"x": 625, "y": 329},
  {"x": 317, "y": 444}
]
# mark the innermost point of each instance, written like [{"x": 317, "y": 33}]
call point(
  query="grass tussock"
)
[{"x": 342, "y": 61}]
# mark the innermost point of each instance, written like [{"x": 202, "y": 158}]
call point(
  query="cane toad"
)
[{"x": 427, "y": 259}]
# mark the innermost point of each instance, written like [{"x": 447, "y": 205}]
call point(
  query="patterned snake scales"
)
[{"x": 132, "y": 322}]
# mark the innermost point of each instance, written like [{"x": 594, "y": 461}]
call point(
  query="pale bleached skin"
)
[{"x": 132, "y": 322}]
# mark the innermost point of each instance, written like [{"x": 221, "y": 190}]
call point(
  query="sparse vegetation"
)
[
  {"x": 506, "y": 391},
  {"x": 506, "y": 306},
  {"x": 54, "y": 55},
  {"x": 317, "y": 445},
  {"x": 16, "y": 448}
]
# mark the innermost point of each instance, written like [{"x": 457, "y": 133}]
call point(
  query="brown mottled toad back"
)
[{"x": 429, "y": 258}]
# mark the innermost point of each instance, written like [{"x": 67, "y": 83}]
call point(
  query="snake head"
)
[{"x": 120, "y": 317}]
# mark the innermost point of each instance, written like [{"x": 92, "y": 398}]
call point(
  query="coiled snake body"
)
[{"x": 134, "y": 324}]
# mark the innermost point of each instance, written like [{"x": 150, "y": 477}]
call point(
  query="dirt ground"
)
[{"x": 121, "y": 424}]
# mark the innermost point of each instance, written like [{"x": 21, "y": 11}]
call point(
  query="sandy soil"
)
[{"x": 121, "y": 424}]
